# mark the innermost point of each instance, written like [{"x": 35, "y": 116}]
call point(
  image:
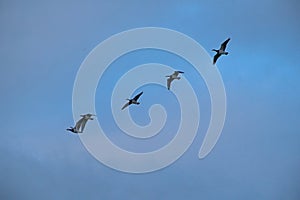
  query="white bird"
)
[
  {"x": 133, "y": 100},
  {"x": 220, "y": 51},
  {"x": 173, "y": 77},
  {"x": 79, "y": 127}
]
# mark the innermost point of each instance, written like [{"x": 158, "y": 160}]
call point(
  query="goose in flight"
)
[
  {"x": 220, "y": 51},
  {"x": 81, "y": 123},
  {"x": 133, "y": 100},
  {"x": 172, "y": 77}
]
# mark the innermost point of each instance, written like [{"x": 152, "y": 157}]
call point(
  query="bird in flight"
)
[
  {"x": 220, "y": 51},
  {"x": 172, "y": 77},
  {"x": 79, "y": 127},
  {"x": 134, "y": 100}
]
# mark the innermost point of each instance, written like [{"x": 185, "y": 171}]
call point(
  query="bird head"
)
[{"x": 88, "y": 116}]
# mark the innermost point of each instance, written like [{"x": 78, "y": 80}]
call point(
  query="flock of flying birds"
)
[{"x": 79, "y": 126}]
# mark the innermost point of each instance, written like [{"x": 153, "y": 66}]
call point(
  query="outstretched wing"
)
[
  {"x": 137, "y": 96},
  {"x": 83, "y": 125},
  {"x": 78, "y": 124},
  {"x": 169, "y": 80},
  {"x": 176, "y": 73},
  {"x": 127, "y": 104},
  {"x": 224, "y": 44},
  {"x": 216, "y": 58}
]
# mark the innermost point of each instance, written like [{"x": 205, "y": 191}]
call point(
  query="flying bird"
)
[
  {"x": 220, "y": 51},
  {"x": 79, "y": 127},
  {"x": 173, "y": 77},
  {"x": 133, "y": 100}
]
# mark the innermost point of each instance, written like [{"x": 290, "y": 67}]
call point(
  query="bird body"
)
[
  {"x": 79, "y": 127},
  {"x": 173, "y": 77},
  {"x": 133, "y": 101},
  {"x": 220, "y": 51}
]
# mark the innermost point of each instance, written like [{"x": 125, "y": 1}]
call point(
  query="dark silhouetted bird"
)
[
  {"x": 220, "y": 51},
  {"x": 133, "y": 100}
]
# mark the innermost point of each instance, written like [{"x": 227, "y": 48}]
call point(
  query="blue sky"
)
[{"x": 43, "y": 45}]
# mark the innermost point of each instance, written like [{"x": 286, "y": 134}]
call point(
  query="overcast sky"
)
[{"x": 43, "y": 45}]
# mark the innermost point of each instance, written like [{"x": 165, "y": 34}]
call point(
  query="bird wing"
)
[
  {"x": 169, "y": 80},
  {"x": 137, "y": 96},
  {"x": 127, "y": 104},
  {"x": 175, "y": 73},
  {"x": 223, "y": 45},
  {"x": 83, "y": 123},
  {"x": 216, "y": 58},
  {"x": 78, "y": 124}
]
